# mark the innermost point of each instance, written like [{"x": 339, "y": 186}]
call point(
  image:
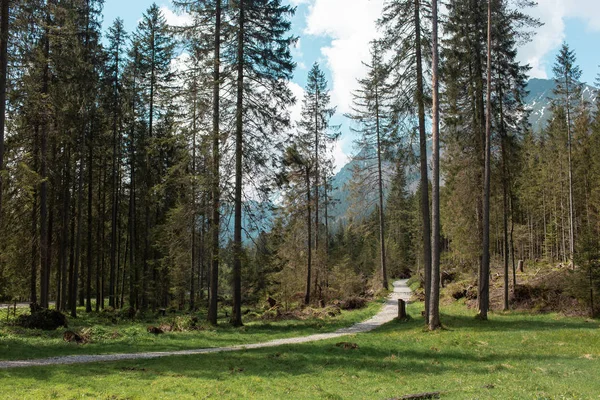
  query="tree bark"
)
[
  {"x": 384, "y": 280},
  {"x": 424, "y": 182},
  {"x": 433, "y": 311},
  {"x": 309, "y": 238},
  {"x": 483, "y": 295},
  {"x": 4, "y": 18},
  {"x": 216, "y": 190},
  {"x": 236, "y": 315}
]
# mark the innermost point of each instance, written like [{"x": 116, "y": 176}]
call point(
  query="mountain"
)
[
  {"x": 538, "y": 101},
  {"x": 539, "y": 98}
]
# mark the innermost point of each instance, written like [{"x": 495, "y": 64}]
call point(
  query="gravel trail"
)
[{"x": 387, "y": 313}]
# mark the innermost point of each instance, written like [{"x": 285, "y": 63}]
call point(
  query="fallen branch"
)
[{"x": 419, "y": 396}]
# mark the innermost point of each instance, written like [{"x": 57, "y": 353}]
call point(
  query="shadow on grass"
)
[{"x": 293, "y": 360}]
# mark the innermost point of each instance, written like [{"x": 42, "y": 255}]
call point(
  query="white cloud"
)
[
  {"x": 174, "y": 19},
  {"x": 351, "y": 26},
  {"x": 340, "y": 158},
  {"x": 550, "y": 36}
]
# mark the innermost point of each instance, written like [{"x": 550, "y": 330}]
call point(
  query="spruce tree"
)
[
  {"x": 568, "y": 92},
  {"x": 406, "y": 35},
  {"x": 316, "y": 132},
  {"x": 116, "y": 54},
  {"x": 263, "y": 64}
]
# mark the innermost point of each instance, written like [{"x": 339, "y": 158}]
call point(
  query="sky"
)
[{"x": 336, "y": 34}]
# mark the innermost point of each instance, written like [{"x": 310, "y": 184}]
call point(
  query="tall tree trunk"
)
[
  {"x": 236, "y": 316},
  {"x": 215, "y": 181},
  {"x": 44, "y": 175},
  {"x": 309, "y": 239},
  {"x": 505, "y": 205},
  {"x": 317, "y": 171},
  {"x": 505, "y": 221},
  {"x": 115, "y": 196},
  {"x": 483, "y": 296},
  {"x": 90, "y": 244},
  {"x": 384, "y": 280},
  {"x": 75, "y": 280},
  {"x": 424, "y": 183},
  {"x": 434, "y": 295},
  {"x": 571, "y": 206},
  {"x": 64, "y": 235},
  {"x": 194, "y": 214},
  {"x": 4, "y": 14},
  {"x": 34, "y": 222}
]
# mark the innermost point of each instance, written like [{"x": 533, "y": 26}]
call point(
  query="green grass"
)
[
  {"x": 126, "y": 336},
  {"x": 511, "y": 356}
]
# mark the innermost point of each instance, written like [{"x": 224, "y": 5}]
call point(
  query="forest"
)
[{"x": 161, "y": 168}]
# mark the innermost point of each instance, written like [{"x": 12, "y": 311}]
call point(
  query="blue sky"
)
[{"x": 336, "y": 34}]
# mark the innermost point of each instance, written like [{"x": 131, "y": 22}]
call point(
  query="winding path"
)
[{"x": 387, "y": 313}]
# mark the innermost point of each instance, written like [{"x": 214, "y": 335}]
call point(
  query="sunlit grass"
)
[
  {"x": 125, "y": 336},
  {"x": 511, "y": 356}
]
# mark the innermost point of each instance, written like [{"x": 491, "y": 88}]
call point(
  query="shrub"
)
[
  {"x": 353, "y": 303},
  {"x": 44, "y": 319}
]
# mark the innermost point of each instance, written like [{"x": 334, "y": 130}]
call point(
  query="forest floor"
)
[
  {"x": 109, "y": 334},
  {"x": 387, "y": 313},
  {"x": 513, "y": 355}
]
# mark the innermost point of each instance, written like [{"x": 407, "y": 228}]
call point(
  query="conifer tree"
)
[
  {"x": 406, "y": 35},
  {"x": 433, "y": 313},
  {"x": 316, "y": 132},
  {"x": 371, "y": 110},
  {"x": 116, "y": 48},
  {"x": 568, "y": 91},
  {"x": 263, "y": 64}
]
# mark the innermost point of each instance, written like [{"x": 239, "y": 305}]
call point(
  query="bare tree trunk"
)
[
  {"x": 74, "y": 281},
  {"x": 384, "y": 280},
  {"x": 505, "y": 221},
  {"x": 236, "y": 315},
  {"x": 34, "y": 222},
  {"x": 434, "y": 296},
  {"x": 4, "y": 20},
  {"x": 483, "y": 296},
  {"x": 309, "y": 239},
  {"x": 216, "y": 191},
  {"x": 193, "y": 224},
  {"x": 90, "y": 244},
  {"x": 44, "y": 185},
  {"x": 571, "y": 206},
  {"x": 424, "y": 183}
]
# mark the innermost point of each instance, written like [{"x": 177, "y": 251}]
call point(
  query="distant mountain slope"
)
[
  {"x": 538, "y": 101},
  {"x": 539, "y": 98}
]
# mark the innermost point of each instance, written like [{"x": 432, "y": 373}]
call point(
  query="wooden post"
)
[
  {"x": 521, "y": 266},
  {"x": 401, "y": 309}
]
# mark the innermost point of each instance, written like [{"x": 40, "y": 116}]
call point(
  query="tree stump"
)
[
  {"x": 401, "y": 309},
  {"x": 521, "y": 266}
]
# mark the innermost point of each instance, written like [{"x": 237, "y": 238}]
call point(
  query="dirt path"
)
[{"x": 387, "y": 313}]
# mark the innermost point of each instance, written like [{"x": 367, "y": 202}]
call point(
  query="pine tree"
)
[{"x": 371, "y": 110}]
